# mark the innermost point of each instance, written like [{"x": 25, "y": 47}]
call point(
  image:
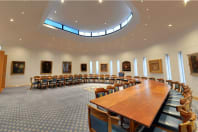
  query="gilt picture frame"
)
[
  {"x": 83, "y": 67},
  {"x": 193, "y": 64},
  {"x": 46, "y": 67},
  {"x": 67, "y": 67},
  {"x": 103, "y": 67},
  {"x": 126, "y": 66},
  {"x": 155, "y": 66},
  {"x": 18, "y": 67}
]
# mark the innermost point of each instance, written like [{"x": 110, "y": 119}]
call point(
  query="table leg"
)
[{"x": 132, "y": 126}]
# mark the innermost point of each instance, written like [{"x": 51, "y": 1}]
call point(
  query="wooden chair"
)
[
  {"x": 44, "y": 82},
  {"x": 100, "y": 121},
  {"x": 85, "y": 78},
  {"x": 102, "y": 79},
  {"x": 125, "y": 85},
  {"x": 136, "y": 77},
  {"x": 151, "y": 78},
  {"x": 131, "y": 83},
  {"x": 170, "y": 83},
  {"x": 110, "y": 89},
  {"x": 145, "y": 78},
  {"x": 107, "y": 78},
  {"x": 35, "y": 82},
  {"x": 117, "y": 87},
  {"x": 53, "y": 81},
  {"x": 169, "y": 123},
  {"x": 99, "y": 92},
  {"x": 60, "y": 80},
  {"x": 160, "y": 80},
  {"x": 176, "y": 86},
  {"x": 113, "y": 79}
]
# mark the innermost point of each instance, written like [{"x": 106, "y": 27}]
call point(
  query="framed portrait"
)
[
  {"x": 18, "y": 67},
  {"x": 193, "y": 63},
  {"x": 126, "y": 66},
  {"x": 155, "y": 66},
  {"x": 46, "y": 67},
  {"x": 67, "y": 67},
  {"x": 83, "y": 67},
  {"x": 103, "y": 67}
]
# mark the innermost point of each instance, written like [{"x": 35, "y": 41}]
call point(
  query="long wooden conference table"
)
[{"x": 139, "y": 103}]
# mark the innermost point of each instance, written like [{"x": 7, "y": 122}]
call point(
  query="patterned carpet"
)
[{"x": 51, "y": 110}]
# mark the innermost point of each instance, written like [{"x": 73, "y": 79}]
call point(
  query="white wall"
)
[{"x": 187, "y": 44}]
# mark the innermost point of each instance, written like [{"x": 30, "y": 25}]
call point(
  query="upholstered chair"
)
[{"x": 160, "y": 80}]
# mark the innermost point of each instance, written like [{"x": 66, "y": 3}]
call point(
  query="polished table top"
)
[{"x": 139, "y": 103}]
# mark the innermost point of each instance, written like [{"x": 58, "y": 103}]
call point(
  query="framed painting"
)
[
  {"x": 67, "y": 67},
  {"x": 46, "y": 67},
  {"x": 155, "y": 66},
  {"x": 83, "y": 67},
  {"x": 18, "y": 67},
  {"x": 103, "y": 67},
  {"x": 193, "y": 63},
  {"x": 126, "y": 66}
]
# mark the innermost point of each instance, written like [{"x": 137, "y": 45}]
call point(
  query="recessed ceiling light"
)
[
  {"x": 147, "y": 9},
  {"x": 100, "y": 1},
  {"x": 146, "y": 25},
  {"x": 11, "y": 20},
  {"x": 76, "y": 21},
  {"x": 55, "y": 11},
  {"x": 145, "y": 39},
  {"x": 170, "y": 25},
  {"x": 105, "y": 23},
  {"x": 62, "y": 1},
  {"x": 22, "y": 12},
  {"x": 20, "y": 39},
  {"x": 186, "y": 1}
]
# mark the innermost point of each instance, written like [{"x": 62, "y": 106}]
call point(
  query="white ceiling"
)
[{"x": 148, "y": 26}]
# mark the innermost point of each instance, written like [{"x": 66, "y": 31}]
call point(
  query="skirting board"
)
[{"x": 12, "y": 86}]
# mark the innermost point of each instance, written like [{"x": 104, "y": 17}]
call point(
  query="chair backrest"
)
[
  {"x": 98, "y": 120},
  {"x": 161, "y": 80},
  {"x": 110, "y": 89},
  {"x": 99, "y": 92},
  {"x": 151, "y": 78},
  {"x": 117, "y": 87},
  {"x": 170, "y": 83},
  {"x": 189, "y": 119},
  {"x": 144, "y": 78},
  {"x": 121, "y": 74},
  {"x": 136, "y": 77}
]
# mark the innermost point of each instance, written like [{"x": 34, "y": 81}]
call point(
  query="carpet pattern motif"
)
[{"x": 51, "y": 110}]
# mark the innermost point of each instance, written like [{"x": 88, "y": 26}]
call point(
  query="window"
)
[
  {"x": 85, "y": 33},
  {"x": 135, "y": 67},
  {"x": 168, "y": 67},
  {"x": 97, "y": 67},
  {"x": 181, "y": 67},
  {"x": 90, "y": 63},
  {"x": 118, "y": 66},
  {"x": 53, "y": 24},
  {"x": 0, "y": 47},
  {"x": 56, "y": 25},
  {"x": 70, "y": 29},
  {"x": 111, "y": 67},
  {"x": 145, "y": 67},
  {"x": 95, "y": 34}
]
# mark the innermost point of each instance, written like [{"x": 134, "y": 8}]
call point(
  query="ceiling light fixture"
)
[
  {"x": 62, "y": 1},
  {"x": 11, "y": 20},
  {"x": 20, "y": 39},
  {"x": 55, "y": 12},
  {"x": 170, "y": 25},
  {"x": 22, "y": 12},
  {"x": 76, "y": 21},
  {"x": 100, "y": 1},
  {"x": 186, "y": 1},
  {"x": 145, "y": 39}
]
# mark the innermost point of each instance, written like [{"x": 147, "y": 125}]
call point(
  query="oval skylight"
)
[{"x": 56, "y": 25}]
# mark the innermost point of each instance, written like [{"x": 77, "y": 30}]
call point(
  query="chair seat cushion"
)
[
  {"x": 172, "y": 103},
  {"x": 168, "y": 122},
  {"x": 116, "y": 128},
  {"x": 174, "y": 92},
  {"x": 153, "y": 129},
  {"x": 171, "y": 111},
  {"x": 98, "y": 125}
]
